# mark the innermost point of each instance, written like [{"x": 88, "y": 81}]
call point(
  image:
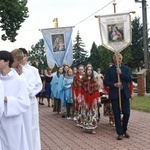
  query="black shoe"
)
[
  {"x": 126, "y": 135},
  {"x": 120, "y": 137},
  {"x": 63, "y": 116}
]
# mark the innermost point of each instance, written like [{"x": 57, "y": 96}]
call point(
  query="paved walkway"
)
[{"x": 58, "y": 133}]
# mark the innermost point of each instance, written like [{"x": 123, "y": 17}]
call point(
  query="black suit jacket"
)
[{"x": 111, "y": 78}]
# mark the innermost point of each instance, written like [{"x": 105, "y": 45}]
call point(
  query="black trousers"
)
[
  {"x": 68, "y": 106},
  {"x": 121, "y": 125},
  {"x": 57, "y": 105}
]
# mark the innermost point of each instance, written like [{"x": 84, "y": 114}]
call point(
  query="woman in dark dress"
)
[
  {"x": 48, "y": 78},
  {"x": 41, "y": 93}
]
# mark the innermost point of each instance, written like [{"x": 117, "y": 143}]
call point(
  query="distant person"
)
[
  {"x": 111, "y": 80},
  {"x": 48, "y": 93},
  {"x": 99, "y": 78},
  {"x": 56, "y": 88},
  {"x": 75, "y": 70},
  {"x": 40, "y": 95},
  {"x": 67, "y": 89},
  {"x": 76, "y": 89}
]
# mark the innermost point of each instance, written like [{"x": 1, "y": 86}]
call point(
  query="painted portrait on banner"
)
[
  {"x": 115, "y": 32},
  {"x": 58, "y": 42}
]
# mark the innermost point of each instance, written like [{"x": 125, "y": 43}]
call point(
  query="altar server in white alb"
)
[
  {"x": 1, "y": 102},
  {"x": 34, "y": 102},
  {"x": 16, "y": 102},
  {"x": 1, "y": 98},
  {"x": 28, "y": 77}
]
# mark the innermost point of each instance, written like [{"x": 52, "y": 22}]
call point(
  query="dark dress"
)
[
  {"x": 47, "y": 92},
  {"x": 41, "y": 93}
]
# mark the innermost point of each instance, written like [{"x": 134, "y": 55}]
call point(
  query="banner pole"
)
[
  {"x": 119, "y": 91},
  {"x": 114, "y": 3}
]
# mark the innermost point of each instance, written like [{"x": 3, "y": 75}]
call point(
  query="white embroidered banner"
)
[{"x": 115, "y": 31}]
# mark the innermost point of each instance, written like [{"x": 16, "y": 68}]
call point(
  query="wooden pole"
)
[
  {"x": 114, "y": 3},
  {"x": 119, "y": 90},
  {"x": 117, "y": 58}
]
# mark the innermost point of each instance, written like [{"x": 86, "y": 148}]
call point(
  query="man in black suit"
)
[{"x": 116, "y": 71}]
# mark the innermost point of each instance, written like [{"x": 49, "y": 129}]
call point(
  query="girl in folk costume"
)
[
  {"x": 76, "y": 89},
  {"x": 74, "y": 70},
  {"x": 63, "y": 105},
  {"x": 108, "y": 106},
  {"x": 56, "y": 88},
  {"x": 67, "y": 82},
  {"x": 91, "y": 97}
]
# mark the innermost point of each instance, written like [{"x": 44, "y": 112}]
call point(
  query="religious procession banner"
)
[
  {"x": 58, "y": 45},
  {"x": 115, "y": 31}
]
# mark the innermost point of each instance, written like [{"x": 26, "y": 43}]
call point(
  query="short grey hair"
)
[{"x": 119, "y": 55}]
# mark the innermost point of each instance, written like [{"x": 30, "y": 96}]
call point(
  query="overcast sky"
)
[{"x": 69, "y": 13}]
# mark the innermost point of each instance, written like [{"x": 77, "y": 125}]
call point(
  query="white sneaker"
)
[
  {"x": 74, "y": 118},
  {"x": 68, "y": 118}
]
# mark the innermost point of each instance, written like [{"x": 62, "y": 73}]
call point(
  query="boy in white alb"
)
[
  {"x": 16, "y": 102},
  {"x": 29, "y": 79},
  {"x": 1, "y": 102},
  {"x": 34, "y": 103}
]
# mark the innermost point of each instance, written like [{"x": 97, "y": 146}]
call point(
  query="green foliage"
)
[
  {"x": 79, "y": 54},
  {"x": 94, "y": 56},
  {"x": 12, "y": 14},
  {"x": 38, "y": 53},
  {"x": 127, "y": 57},
  {"x": 100, "y": 57},
  {"x": 137, "y": 52},
  {"x": 105, "y": 58}
]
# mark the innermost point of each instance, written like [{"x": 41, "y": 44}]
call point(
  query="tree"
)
[
  {"x": 38, "y": 54},
  {"x": 94, "y": 58},
  {"x": 79, "y": 54},
  {"x": 105, "y": 58},
  {"x": 127, "y": 57},
  {"x": 137, "y": 44},
  {"x": 12, "y": 14}
]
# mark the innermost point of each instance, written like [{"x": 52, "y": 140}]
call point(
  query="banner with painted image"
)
[
  {"x": 58, "y": 45},
  {"x": 115, "y": 31}
]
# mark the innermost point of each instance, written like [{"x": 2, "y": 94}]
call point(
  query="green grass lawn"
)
[{"x": 141, "y": 103}]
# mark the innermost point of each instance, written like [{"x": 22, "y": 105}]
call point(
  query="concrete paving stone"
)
[{"x": 58, "y": 133}]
